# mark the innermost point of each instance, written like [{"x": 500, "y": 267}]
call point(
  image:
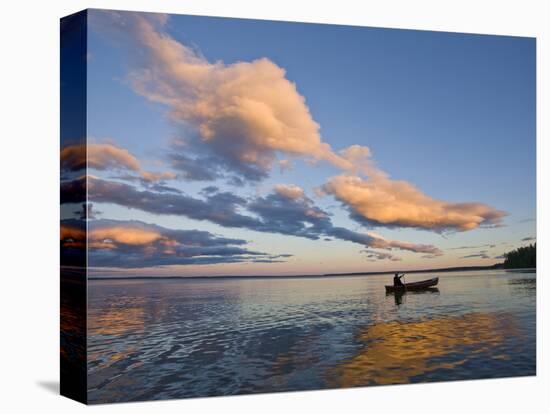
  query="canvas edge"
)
[{"x": 73, "y": 261}]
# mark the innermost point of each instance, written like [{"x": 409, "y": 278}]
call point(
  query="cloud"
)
[
  {"x": 380, "y": 201},
  {"x": 107, "y": 156},
  {"x": 73, "y": 191},
  {"x": 491, "y": 246},
  {"x": 290, "y": 191},
  {"x": 130, "y": 244},
  {"x": 220, "y": 207},
  {"x": 481, "y": 255},
  {"x": 149, "y": 176},
  {"x": 279, "y": 256},
  {"x": 164, "y": 188},
  {"x": 193, "y": 169},
  {"x": 127, "y": 235},
  {"x": 76, "y": 157},
  {"x": 373, "y": 240},
  {"x": 286, "y": 210},
  {"x": 73, "y": 234},
  {"x": 239, "y": 117},
  {"x": 373, "y": 256}
]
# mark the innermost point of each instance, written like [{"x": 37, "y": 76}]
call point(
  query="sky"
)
[{"x": 245, "y": 147}]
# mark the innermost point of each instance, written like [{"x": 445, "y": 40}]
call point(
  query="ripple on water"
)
[{"x": 166, "y": 339}]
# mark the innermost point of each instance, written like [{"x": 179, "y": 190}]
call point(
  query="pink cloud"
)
[
  {"x": 244, "y": 113},
  {"x": 107, "y": 156},
  {"x": 385, "y": 202}
]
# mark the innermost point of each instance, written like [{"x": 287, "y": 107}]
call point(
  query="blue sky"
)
[{"x": 451, "y": 114}]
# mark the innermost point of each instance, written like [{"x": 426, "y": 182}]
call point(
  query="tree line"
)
[{"x": 522, "y": 257}]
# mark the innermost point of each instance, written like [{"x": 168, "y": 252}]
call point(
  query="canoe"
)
[{"x": 421, "y": 285}]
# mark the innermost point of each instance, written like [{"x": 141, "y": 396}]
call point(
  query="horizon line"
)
[{"x": 497, "y": 266}]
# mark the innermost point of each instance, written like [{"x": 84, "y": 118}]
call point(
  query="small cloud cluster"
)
[
  {"x": 128, "y": 244},
  {"x": 286, "y": 210},
  {"x": 374, "y": 256}
]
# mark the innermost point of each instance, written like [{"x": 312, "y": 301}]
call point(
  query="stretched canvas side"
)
[{"x": 73, "y": 382}]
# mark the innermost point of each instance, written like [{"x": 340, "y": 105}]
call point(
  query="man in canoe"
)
[{"x": 397, "y": 279}]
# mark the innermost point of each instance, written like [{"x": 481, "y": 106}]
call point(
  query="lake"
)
[{"x": 157, "y": 339}]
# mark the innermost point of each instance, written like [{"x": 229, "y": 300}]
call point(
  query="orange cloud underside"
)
[
  {"x": 109, "y": 237},
  {"x": 399, "y": 203}
]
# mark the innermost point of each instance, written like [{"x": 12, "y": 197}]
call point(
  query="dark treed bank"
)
[{"x": 521, "y": 258}]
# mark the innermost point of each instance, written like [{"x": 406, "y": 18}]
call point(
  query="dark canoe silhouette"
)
[{"x": 423, "y": 284}]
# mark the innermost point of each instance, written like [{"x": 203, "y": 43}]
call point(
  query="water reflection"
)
[
  {"x": 395, "y": 352},
  {"x": 523, "y": 285},
  {"x": 400, "y": 296},
  {"x": 174, "y": 339},
  {"x": 128, "y": 315}
]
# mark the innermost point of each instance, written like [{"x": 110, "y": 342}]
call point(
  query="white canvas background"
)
[{"x": 29, "y": 212}]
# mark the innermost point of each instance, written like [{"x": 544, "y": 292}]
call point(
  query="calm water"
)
[{"x": 188, "y": 338}]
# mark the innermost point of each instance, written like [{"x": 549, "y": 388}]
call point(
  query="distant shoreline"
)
[{"x": 497, "y": 266}]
